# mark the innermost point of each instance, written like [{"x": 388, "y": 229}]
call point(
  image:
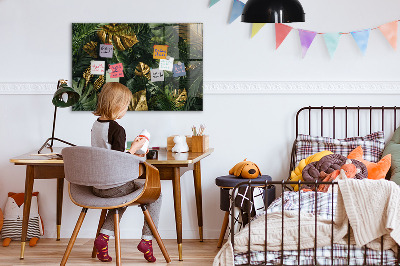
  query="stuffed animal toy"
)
[
  {"x": 180, "y": 144},
  {"x": 375, "y": 170},
  {"x": 13, "y": 215},
  {"x": 245, "y": 169}
]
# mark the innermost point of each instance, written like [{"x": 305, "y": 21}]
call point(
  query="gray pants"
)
[{"x": 154, "y": 208}]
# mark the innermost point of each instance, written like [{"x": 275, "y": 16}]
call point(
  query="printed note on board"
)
[
  {"x": 160, "y": 51},
  {"x": 97, "y": 67},
  {"x": 116, "y": 71},
  {"x": 106, "y": 50},
  {"x": 157, "y": 75},
  {"x": 179, "y": 70},
  {"x": 110, "y": 79},
  {"x": 166, "y": 64}
]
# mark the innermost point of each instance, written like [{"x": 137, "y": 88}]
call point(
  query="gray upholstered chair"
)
[{"x": 85, "y": 167}]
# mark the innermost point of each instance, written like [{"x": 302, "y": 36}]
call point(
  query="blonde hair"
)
[{"x": 112, "y": 98}]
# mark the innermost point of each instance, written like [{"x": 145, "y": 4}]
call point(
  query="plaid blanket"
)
[{"x": 323, "y": 205}]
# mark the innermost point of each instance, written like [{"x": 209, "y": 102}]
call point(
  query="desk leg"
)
[
  {"x": 60, "y": 190},
  {"x": 27, "y": 206},
  {"x": 199, "y": 204},
  {"x": 176, "y": 182}
]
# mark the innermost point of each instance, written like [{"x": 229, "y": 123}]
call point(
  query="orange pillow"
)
[{"x": 375, "y": 170}]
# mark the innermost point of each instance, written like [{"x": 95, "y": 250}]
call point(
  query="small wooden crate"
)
[
  {"x": 171, "y": 143},
  {"x": 200, "y": 143}
]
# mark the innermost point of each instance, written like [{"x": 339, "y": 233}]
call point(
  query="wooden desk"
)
[{"x": 169, "y": 164}]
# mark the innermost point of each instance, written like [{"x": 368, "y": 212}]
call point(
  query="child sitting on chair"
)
[{"x": 113, "y": 102}]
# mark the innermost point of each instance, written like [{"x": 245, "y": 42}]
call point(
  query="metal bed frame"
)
[{"x": 283, "y": 184}]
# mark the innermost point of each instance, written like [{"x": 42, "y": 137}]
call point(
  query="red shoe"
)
[
  {"x": 101, "y": 245},
  {"x": 146, "y": 247}
]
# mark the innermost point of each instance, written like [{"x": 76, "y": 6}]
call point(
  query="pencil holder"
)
[{"x": 200, "y": 143}]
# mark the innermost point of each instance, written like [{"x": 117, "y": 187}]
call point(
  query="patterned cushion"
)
[{"x": 372, "y": 144}]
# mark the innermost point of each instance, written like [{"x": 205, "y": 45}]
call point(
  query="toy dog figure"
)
[{"x": 245, "y": 169}]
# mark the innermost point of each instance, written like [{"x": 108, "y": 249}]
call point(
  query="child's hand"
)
[{"x": 137, "y": 144}]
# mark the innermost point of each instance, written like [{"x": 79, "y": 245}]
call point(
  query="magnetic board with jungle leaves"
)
[{"x": 133, "y": 47}]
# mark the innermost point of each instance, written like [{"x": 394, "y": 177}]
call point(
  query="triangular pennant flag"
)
[
  {"x": 237, "y": 9},
  {"x": 390, "y": 32},
  {"x": 281, "y": 31},
  {"x": 306, "y": 39},
  {"x": 361, "y": 37},
  {"x": 213, "y": 2},
  {"x": 332, "y": 41},
  {"x": 255, "y": 28}
]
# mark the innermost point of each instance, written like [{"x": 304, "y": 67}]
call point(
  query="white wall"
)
[{"x": 36, "y": 47}]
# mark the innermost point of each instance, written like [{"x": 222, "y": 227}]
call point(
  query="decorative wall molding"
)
[
  {"x": 303, "y": 87},
  {"x": 251, "y": 87},
  {"x": 28, "y": 88}
]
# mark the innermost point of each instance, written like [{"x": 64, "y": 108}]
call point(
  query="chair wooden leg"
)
[
  {"x": 101, "y": 222},
  {"x": 154, "y": 230},
  {"x": 223, "y": 229},
  {"x": 117, "y": 239},
  {"x": 73, "y": 237}
]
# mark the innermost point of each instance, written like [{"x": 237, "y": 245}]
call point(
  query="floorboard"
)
[{"x": 50, "y": 252}]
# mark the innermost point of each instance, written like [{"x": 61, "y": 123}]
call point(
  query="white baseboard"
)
[{"x": 246, "y": 87}]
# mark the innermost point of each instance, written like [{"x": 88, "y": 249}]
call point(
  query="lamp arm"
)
[{"x": 54, "y": 126}]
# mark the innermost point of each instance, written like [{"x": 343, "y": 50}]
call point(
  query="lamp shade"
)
[
  {"x": 273, "y": 11},
  {"x": 65, "y": 96}
]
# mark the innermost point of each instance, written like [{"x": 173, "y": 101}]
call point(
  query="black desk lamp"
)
[
  {"x": 273, "y": 11},
  {"x": 63, "y": 97}
]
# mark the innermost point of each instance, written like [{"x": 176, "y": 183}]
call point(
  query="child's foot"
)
[
  {"x": 146, "y": 247},
  {"x": 101, "y": 245}
]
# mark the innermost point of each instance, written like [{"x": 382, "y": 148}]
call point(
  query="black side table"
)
[{"x": 226, "y": 183}]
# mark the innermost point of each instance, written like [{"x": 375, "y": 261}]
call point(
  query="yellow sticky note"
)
[{"x": 160, "y": 51}]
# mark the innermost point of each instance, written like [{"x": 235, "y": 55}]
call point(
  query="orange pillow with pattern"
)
[{"x": 375, "y": 170}]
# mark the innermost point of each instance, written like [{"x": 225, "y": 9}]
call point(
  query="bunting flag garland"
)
[
  {"x": 256, "y": 28},
  {"x": 281, "y": 31},
  {"x": 213, "y": 2},
  {"x": 389, "y": 30},
  {"x": 237, "y": 9},
  {"x": 361, "y": 37},
  {"x": 332, "y": 41},
  {"x": 306, "y": 39}
]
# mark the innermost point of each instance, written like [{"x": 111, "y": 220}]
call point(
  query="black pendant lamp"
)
[{"x": 273, "y": 11}]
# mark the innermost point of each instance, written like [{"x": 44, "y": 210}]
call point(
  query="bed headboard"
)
[{"x": 344, "y": 121}]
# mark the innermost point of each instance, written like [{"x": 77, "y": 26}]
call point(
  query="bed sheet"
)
[{"x": 324, "y": 206}]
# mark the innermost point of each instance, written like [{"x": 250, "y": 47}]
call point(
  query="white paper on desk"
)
[{"x": 166, "y": 64}]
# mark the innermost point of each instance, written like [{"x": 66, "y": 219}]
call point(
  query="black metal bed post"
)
[
  {"x": 345, "y": 113},
  {"x": 283, "y": 211},
  {"x": 333, "y": 114},
  {"x": 233, "y": 218},
  {"x": 398, "y": 255},
  {"x": 322, "y": 121},
  {"x": 333, "y": 192},
  {"x": 266, "y": 220},
  {"x": 315, "y": 222},
  {"x": 381, "y": 250},
  {"x": 298, "y": 239},
  {"x": 348, "y": 242}
]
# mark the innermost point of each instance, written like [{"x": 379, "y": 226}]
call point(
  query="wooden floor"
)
[{"x": 50, "y": 252}]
